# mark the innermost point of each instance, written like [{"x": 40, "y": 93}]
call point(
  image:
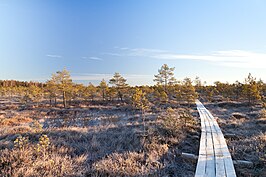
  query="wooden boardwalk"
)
[{"x": 214, "y": 157}]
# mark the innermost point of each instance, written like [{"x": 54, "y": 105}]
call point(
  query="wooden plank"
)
[
  {"x": 214, "y": 156},
  {"x": 201, "y": 164},
  {"x": 201, "y": 120},
  {"x": 219, "y": 161},
  {"x": 210, "y": 166},
  {"x": 228, "y": 163},
  {"x": 229, "y": 166},
  {"x": 203, "y": 141}
]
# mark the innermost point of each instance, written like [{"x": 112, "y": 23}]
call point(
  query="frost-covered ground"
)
[
  {"x": 96, "y": 140},
  {"x": 244, "y": 128}
]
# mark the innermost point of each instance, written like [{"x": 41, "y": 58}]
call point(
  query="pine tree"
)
[
  {"x": 165, "y": 77},
  {"x": 238, "y": 88},
  {"x": 92, "y": 91},
  {"x": 51, "y": 89},
  {"x": 35, "y": 93},
  {"x": 104, "y": 89},
  {"x": 178, "y": 92},
  {"x": 251, "y": 90},
  {"x": 120, "y": 84},
  {"x": 163, "y": 97},
  {"x": 198, "y": 84},
  {"x": 77, "y": 91},
  {"x": 160, "y": 95},
  {"x": 140, "y": 102},
  {"x": 111, "y": 93},
  {"x": 64, "y": 83},
  {"x": 188, "y": 91}
]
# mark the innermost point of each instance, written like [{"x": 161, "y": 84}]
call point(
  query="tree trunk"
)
[
  {"x": 120, "y": 96},
  {"x": 143, "y": 120},
  {"x": 64, "y": 99},
  {"x": 70, "y": 101},
  {"x": 165, "y": 85},
  {"x": 55, "y": 102},
  {"x": 103, "y": 96},
  {"x": 50, "y": 102}
]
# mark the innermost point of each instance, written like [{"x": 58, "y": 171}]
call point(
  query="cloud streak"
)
[
  {"x": 96, "y": 58},
  {"x": 54, "y": 56},
  {"x": 228, "y": 58},
  {"x": 93, "y": 58},
  {"x": 133, "y": 79},
  {"x": 87, "y": 76}
]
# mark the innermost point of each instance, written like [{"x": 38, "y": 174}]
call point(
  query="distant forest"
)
[{"x": 61, "y": 89}]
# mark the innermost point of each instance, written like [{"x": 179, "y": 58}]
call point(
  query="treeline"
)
[
  {"x": 61, "y": 88},
  {"x": 251, "y": 90},
  {"x": 14, "y": 83}
]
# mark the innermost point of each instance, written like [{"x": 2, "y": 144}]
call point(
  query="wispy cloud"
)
[
  {"x": 113, "y": 54},
  {"x": 132, "y": 79},
  {"x": 88, "y": 76},
  {"x": 54, "y": 56},
  {"x": 93, "y": 58},
  {"x": 96, "y": 58},
  {"x": 229, "y": 58}
]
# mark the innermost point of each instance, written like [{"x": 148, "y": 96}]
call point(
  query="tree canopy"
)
[{"x": 165, "y": 76}]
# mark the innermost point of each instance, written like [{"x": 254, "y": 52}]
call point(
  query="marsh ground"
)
[
  {"x": 96, "y": 140},
  {"x": 244, "y": 128}
]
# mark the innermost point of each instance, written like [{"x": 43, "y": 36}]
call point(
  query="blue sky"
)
[{"x": 215, "y": 40}]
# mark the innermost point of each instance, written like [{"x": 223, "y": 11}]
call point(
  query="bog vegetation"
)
[
  {"x": 61, "y": 87},
  {"x": 60, "y": 128}
]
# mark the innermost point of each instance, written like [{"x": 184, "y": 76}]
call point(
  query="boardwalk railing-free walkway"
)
[{"x": 214, "y": 157}]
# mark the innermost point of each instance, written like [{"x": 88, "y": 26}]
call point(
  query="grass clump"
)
[{"x": 42, "y": 159}]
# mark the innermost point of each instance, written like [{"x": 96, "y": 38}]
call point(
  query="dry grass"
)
[
  {"x": 28, "y": 162},
  {"x": 247, "y": 141},
  {"x": 15, "y": 121},
  {"x": 114, "y": 146}
]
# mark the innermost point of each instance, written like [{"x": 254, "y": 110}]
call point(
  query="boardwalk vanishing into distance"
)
[{"x": 214, "y": 157}]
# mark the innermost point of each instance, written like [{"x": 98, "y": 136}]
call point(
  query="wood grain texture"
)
[{"x": 214, "y": 157}]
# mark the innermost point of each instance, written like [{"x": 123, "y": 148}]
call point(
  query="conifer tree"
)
[
  {"x": 188, "y": 91},
  {"x": 35, "y": 93},
  {"x": 251, "y": 90},
  {"x": 64, "y": 83},
  {"x": 165, "y": 77},
  {"x": 76, "y": 92},
  {"x": 51, "y": 89},
  {"x": 163, "y": 97},
  {"x": 120, "y": 84},
  {"x": 92, "y": 91},
  {"x": 111, "y": 93},
  {"x": 238, "y": 88},
  {"x": 160, "y": 95},
  {"x": 140, "y": 102},
  {"x": 198, "y": 84},
  {"x": 3, "y": 91},
  {"x": 103, "y": 89}
]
